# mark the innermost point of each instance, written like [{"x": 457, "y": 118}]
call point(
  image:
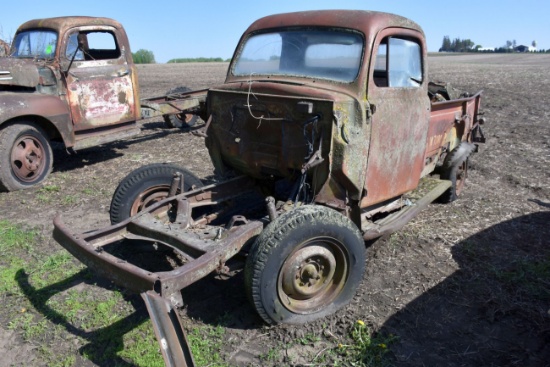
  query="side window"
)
[
  {"x": 94, "y": 45},
  {"x": 72, "y": 48},
  {"x": 398, "y": 63}
]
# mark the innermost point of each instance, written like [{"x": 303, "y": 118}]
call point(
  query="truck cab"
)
[
  {"x": 70, "y": 79},
  {"x": 348, "y": 87}
]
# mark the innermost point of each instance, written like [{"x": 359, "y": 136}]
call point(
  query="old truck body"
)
[
  {"x": 70, "y": 79},
  {"x": 333, "y": 136}
]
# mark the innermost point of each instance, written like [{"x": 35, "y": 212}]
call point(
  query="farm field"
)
[{"x": 463, "y": 284}]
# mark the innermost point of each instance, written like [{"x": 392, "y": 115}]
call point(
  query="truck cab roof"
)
[
  {"x": 367, "y": 22},
  {"x": 60, "y": 24}
]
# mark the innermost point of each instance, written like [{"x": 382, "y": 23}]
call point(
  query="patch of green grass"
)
[
  {"x": 43, "y": 305},
  {"x": 528, "y": 276},
  {"x": 141, "y": 347},
  {"x": 206, "y": 343},
  {"x": 48, "y": 193},
  {"x": 88, "y": 191},
  {"x": 13, "y": 236},
  {"x": 32, "y": 327}
]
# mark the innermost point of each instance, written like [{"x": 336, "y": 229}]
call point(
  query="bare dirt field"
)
[{"x": 464, "y": 284}]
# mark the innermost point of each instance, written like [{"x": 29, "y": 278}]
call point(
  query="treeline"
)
[
  {"x": 197, "y": 59},
  {"x": 467, "y": 45},
  {"x": 457, "y": 45}
]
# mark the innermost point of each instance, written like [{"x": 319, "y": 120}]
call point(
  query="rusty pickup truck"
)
[
  {"x": 330, "y": 136},
  {"x": 70, "y": 79}
]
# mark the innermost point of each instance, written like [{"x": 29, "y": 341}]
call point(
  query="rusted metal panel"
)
[
  {"x": 18, "y": 72},
  {"x": 264, "y": 135},
  {"x": 458, "y": 115},
  {"x": 399, "y": 130},
  {"x": 13, "y": 105},
  {"x": 169, "y": 331},
  {"x": 99, "y": 96}
]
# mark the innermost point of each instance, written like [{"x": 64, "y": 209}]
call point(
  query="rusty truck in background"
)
[
  {"x": 73, "y": 80},
  {"x": 330, "y": 136}
]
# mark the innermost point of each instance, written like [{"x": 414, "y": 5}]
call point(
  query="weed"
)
[
  {"x": 366, "y": 350},
  {"x": 70, "y": 199}
]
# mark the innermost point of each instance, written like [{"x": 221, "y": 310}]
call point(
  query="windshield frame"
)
[
  {"x": 304, "y": 59},
  {"x": 47, "y": 52}
]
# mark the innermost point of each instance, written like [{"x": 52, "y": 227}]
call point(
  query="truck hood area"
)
[{"x": 18, "y": 72}]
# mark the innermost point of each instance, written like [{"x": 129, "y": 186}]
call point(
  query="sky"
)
[{"x": 212, "y": 28}]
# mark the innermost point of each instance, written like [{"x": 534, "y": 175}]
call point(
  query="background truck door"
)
[
  {"x": 398, "y": 90},
  {"x": 99, "y": 82}
]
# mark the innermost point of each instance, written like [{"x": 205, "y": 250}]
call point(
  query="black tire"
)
[
  {"x": 305, "y": 265},
  {"x": 455, "y": 169},
  {"x": 145, "y": 186},
  {"x": 180, "y": 120},
  {"x": 25, "y": 156}
]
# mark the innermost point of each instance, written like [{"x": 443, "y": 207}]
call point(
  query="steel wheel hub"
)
[
  {"x": 313, "y": 275},
  {"x": 27, "y": 158}
]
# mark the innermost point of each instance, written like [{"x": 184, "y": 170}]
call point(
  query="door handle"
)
[{"x": 121, "y": 73}]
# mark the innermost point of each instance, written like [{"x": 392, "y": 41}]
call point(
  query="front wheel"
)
[
  {"x": 25, "y": 156},
  {"x": 305, "y": 265},
  {"x": 146, "y": 186}
]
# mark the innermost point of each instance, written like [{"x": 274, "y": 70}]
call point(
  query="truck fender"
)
[
  {"x": 463, "y": 151},
  {"x": 39, "y": 108}
]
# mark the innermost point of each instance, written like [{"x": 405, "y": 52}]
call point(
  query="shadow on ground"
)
[
  {"x": 106, "y": 341},
  {"x": 494, "y": 311}
]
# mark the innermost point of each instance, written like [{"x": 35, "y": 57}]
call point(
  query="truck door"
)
[
  {"x": 99, "y": 80},
  {"x": 397, "y": 90}
]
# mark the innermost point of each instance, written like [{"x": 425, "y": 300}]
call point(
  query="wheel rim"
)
[
  {"x": 150, "y": 197},
  {"x": 313, "y": 275},
  {"x": 28, "y": 158}
]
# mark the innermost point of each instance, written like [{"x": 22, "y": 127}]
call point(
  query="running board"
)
[
  {"x": 397, "y": 220},
  {"x": 169, "y": 331}
]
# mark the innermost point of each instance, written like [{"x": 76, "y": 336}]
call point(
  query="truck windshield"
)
[
  {"x": 35, "y": 43},
  {"x": 327, "y": 54}
]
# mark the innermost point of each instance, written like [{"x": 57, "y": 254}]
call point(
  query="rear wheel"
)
[
  {"x": 455, "y": 169},
  {"x": 180, "y": 120},
  {"x": 146, "y": 186},
  {"x": 305, "y": 265},
  {"x": 25, "y": 156}
]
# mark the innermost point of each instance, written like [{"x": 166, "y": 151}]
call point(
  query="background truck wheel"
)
[
  {"x": 455, "y": 169},
  {"x": 180, "y": 120},
  {"x": 25, "y": 156},
  {"x": 146, "y": 186},
  {"x": 305, "y": 265}
]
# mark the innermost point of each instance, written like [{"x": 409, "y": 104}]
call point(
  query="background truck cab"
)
[{"x": 70, "y": 79}]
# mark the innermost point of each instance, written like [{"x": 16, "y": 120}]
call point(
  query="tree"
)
[
  {"x": 143, "y": 57},
  {"x": 446, "y": 46},
  {"x": 534, "y": 44},
  {"x": 508, "y": 44}
]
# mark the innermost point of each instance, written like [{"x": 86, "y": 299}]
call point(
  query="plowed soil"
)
[{"x": 463, "y": 284}]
